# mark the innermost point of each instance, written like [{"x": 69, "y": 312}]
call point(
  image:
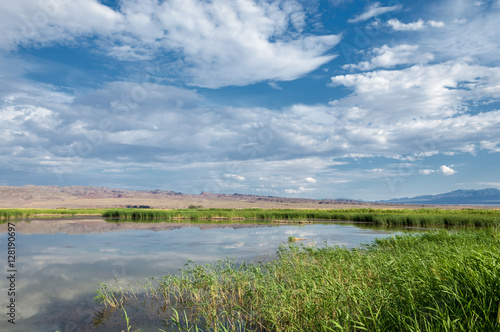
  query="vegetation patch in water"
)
[
  {"x": 401, "y": 217},
  {"x": 32, "y": 213}
]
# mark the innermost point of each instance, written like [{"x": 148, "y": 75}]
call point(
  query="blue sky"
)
[{"x": 298, "y": 98}]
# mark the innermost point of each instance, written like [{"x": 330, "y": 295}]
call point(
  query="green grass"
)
[
  {"x": 402, "y": 217},
  {"x": 437, "y": 281},
  {"x": 394, "y": 217},
  {"x": 31, "y": 213}
]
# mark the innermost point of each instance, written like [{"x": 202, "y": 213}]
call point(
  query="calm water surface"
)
[{"x": 59, "y": 262}]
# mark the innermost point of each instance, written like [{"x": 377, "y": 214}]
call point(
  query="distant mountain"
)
[
  {"x": 463, "y": 197},
  {"x": 31, "y": 196}
]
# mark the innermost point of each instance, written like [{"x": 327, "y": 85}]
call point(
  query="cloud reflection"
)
[{"x": 60, "y": 271}]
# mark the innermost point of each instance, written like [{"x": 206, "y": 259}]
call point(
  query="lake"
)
[{"x": 60, "y": 262}]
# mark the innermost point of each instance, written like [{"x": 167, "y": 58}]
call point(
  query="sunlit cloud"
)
[
  {"x": 445, "y": 170},
  {"x": 374, "y": 10}
]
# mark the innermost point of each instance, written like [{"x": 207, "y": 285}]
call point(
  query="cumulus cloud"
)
[
  {"x": 387, "y": 57},
  {"x": 418, "y": 91},
  {"x": 414, "y": 103},
  {"x": 216, "y": 43},
  {"x": 492, "y": 146},
  {"x": 299, "y": 190},
  {"x": 234, "y": 177},
  {"x": 374, "y": 10},
  {"x": 35, "y": 22},
  {"x": 171, "y": 129},
  {"x": 397, "y": 25},
  {"x": 445, "y": 170}
]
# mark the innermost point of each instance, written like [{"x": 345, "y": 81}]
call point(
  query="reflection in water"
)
[{"x": 60, "y": 262}]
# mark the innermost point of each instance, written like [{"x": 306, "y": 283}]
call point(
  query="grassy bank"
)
[
  {"x": 34, "y": 213},
  {"x": 401, "y": 217},
  {"x": 437, "y": 281},
  {"x": 386, "y": 217}
]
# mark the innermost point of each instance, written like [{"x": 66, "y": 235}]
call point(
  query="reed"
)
[
  {"x": 394, "y": 217},
  {"x": 437, "y": 281},
  {"x": 39, "y": 213},
  {"x": 402, "y": 217}
]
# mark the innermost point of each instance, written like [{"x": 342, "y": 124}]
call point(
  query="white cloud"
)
[
  {"x": 417, "y": 91},
  {"x": 234, "y": 177},
  {"x": 299, "y": 190},
  {"x": 469, "y": 148},
  {"x": 215, "y": 43},
  {"x": 397, "y": 25},
  {"x": 436, "y": 24},
  {"x": 426, "y": 171},
  {"x": 492, "y": 146},
  {"x": 341, "y": 181},
  {"x": 387, "y": 57},
  {"x": 424, "y": 100},
  {"x": 128, "y": 53},
  {"x": 445, "y": 170},
  {"x": 310, "y": 180},
  {"x": 374, "y": 10},
  {"x": 474, "y": 33},
  {"x": 34, "y": 22},
  {"x": 274, "y": 85},
  {"x": 228, "y": 43}
]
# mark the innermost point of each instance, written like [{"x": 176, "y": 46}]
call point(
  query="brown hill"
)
[{"x": 31, "y": 196}]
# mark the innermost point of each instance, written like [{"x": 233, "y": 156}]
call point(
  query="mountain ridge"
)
[
  {"x": 488, "y": 196},
  {"x": 53, "y": 196},
  {"x": 35, "y": 196}
]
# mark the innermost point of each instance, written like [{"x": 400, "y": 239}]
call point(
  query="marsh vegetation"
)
[
  {"x": 40, "y": 213},
  {"x": 433, "y": 281},
  {"x": 395, "y": 217},
  {"x": 389, "y": 217}
]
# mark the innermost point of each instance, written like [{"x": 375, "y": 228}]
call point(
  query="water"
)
[{"x": 59, "y": 262}]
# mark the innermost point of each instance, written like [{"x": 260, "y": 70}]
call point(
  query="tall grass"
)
[
  {"x": 436, "y": 281},
  {"x": 403, "y": 217},
  {"x": 394, "y": 217},
  {"x": 30, "y": 213}
]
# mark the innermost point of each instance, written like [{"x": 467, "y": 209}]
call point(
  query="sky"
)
[{"x": 297, "y": 98}]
